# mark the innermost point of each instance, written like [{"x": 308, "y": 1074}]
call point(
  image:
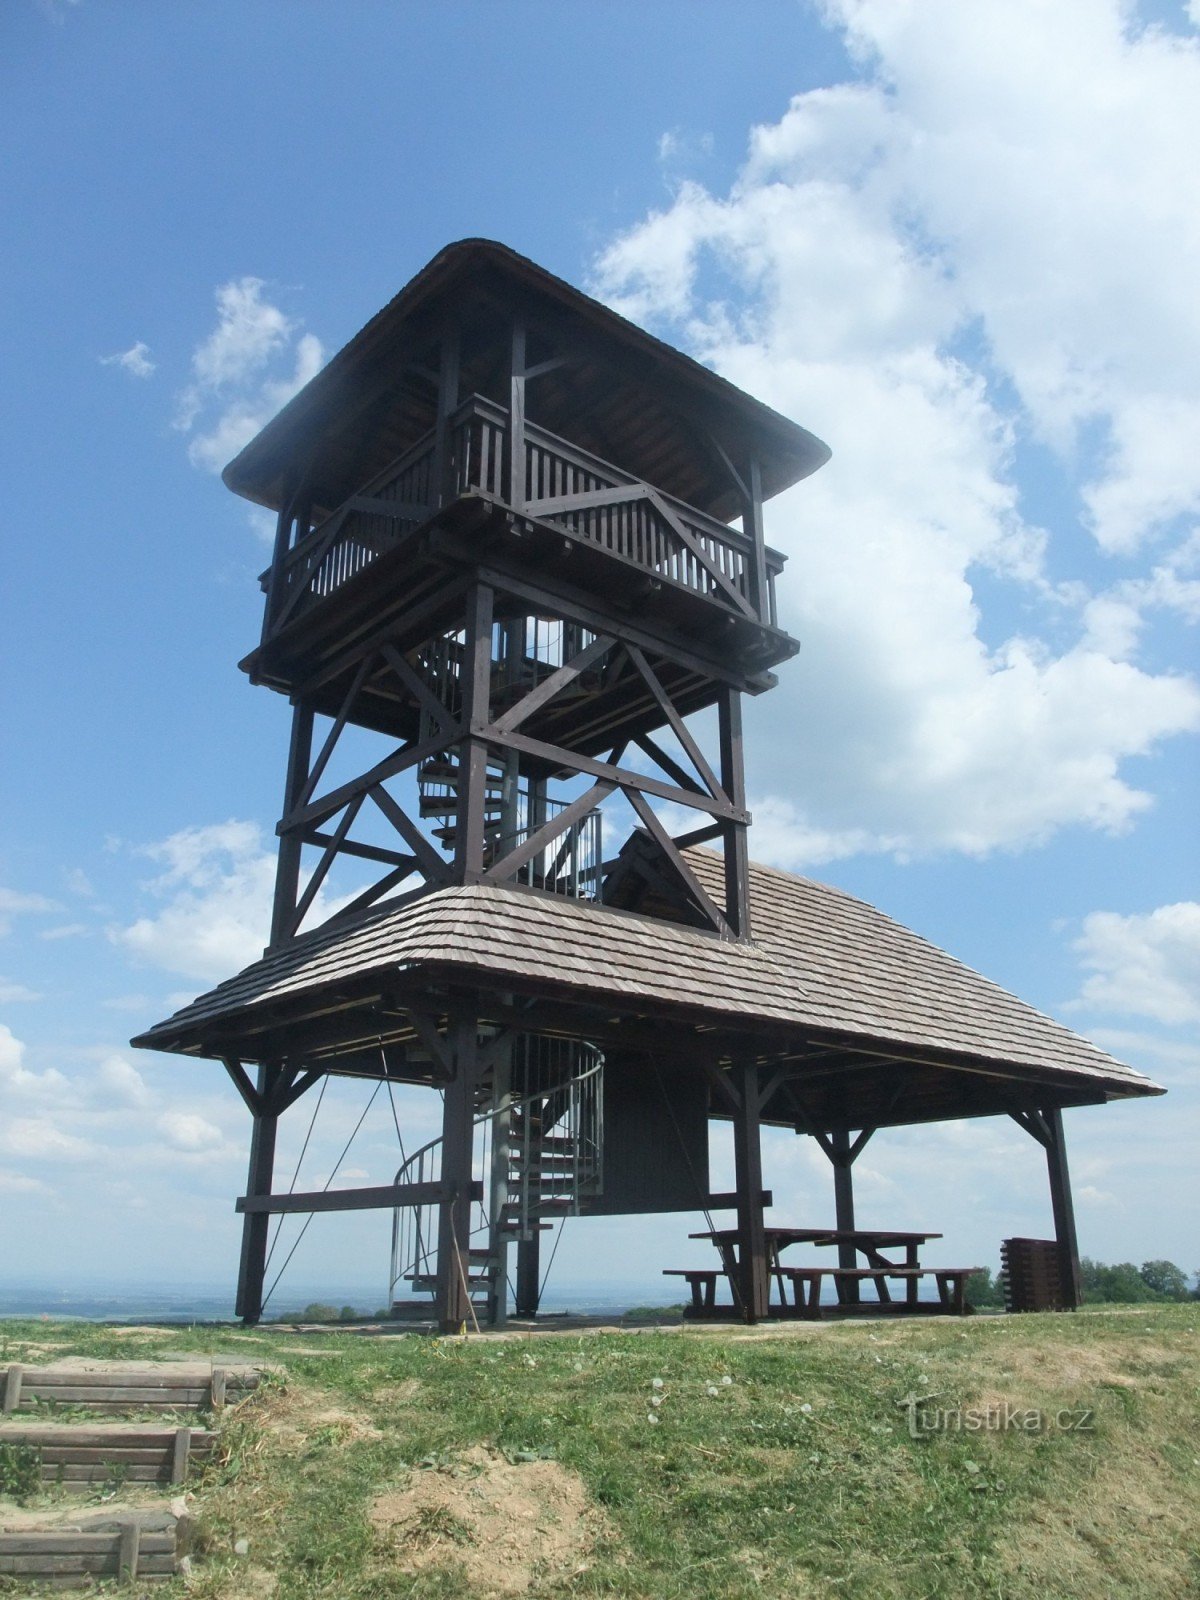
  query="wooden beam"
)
[
  {"x": 547, "y": 833},
  {"x": 241, "y": 1082},
  {"x": 558, "y": 757},
  {"x": 339, "y": 722},
  {"x": 557, "y": 681},
  {"x": 409, "y": 755},
  {"x": 382, "y": 1197},
  {"x": 431, "y": 864},
  {"x": 753, "y": 1284},
  {"x": 677, "y": 725},
  {"x": 328, "y": 856},
  {"x": 417, "y": 687},
  {"x": 693, "y": 885}
]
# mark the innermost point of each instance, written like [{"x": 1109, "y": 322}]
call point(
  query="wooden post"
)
[
  {"x": 128, "y": 1551},
  {"x": 440, "y": 488},
  {"x": 472, "y": 762},
  {"x": 454, "y": 1217},
  {"x": 752, "y": 526},
  {"x": 754, "y": 1284},
  {"x": 12, "y": 1389},
  {"x": 516, "y": 419},
  {"x": 287, "y": 869},
  {"x": 843, "y": 1203},
  {"x": 529, "y": 1271},
  {"x": 733, "y": 781},
  {"x": 256, "y": 1224},
  {"x": 1064, "y": 1209}
]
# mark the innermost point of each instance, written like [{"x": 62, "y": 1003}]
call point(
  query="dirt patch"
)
[
  {"x": 506, "y": 1524},
  {"x": 294, "y": 1417}
]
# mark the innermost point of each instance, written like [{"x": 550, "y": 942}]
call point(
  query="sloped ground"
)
[{"x": 1054, "y": 1456}]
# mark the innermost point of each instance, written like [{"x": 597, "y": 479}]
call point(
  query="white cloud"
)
[
  {"x": 929, "y": 268},
  {"x": 190, "y": 1132},
  {"x": 217, "y": 882},
  {"x": 13, "y": 904},
  {"x": 234, "y": 390},
  {"x": 15, "y": 1076},
  {"x": 11, "y": 993},
  {"x": 39, "y": 1139},
  {"x": 1144, "y": 965},
  {"x": 65, "y": 930},
  {"x": 136, "y": 361},
  {"x": 20, "y": 1183},
  {"x": 122, "y": 1083}
]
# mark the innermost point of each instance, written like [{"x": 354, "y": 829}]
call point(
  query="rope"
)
[
  {"x": 295, "y": 1175},
  {"x": 562, "y": 1222},
  {"x": 324, "y": 1190}
]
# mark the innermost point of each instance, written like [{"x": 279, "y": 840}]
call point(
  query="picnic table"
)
[{"x": 880, "y": 1248}]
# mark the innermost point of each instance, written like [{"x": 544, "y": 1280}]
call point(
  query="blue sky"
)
[{"x": 968, "y": 267}]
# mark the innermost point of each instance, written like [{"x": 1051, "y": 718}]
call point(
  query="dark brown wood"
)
[
  {"x": 252, "y": 1268},
  {"x": 382, "y": 1197},
  {"x": 753, "y": 1284},
  {"x": 735, "y": 845},
  {"x": 1063, "y": 1207},
  {"x": 452, "y": 1298},
  {"x": 287, "y": 871}
]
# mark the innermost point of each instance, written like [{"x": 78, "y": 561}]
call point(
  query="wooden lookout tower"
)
[{"x": 519, "y": 544}]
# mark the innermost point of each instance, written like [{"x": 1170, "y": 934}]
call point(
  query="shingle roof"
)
[{"x": 821, "y": 961}]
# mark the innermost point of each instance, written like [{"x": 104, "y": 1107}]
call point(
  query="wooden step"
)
[
  {"x": 137, "y": 1547},
  {"x": 79, "y": 1456},
  {"x": 123, "y": 1388}
]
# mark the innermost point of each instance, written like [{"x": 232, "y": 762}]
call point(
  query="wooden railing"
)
[{"x": 586, "y": 497}]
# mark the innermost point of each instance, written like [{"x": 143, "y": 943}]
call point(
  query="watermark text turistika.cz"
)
[{"x": 925, "y": 1418}]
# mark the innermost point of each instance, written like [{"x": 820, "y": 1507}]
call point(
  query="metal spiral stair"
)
[{"x": 539, "y": 1144}]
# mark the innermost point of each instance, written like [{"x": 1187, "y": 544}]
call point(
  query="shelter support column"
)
[
  {"x": 754, "y": 1285},
  {"x": 454, "y": 1220},
  {"x": 843, "y": 1203},
  {"x": 1064, "y": 1209},
  {"x": 256, "y": 1225}
]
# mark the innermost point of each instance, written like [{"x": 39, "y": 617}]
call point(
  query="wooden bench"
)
[
  {"x": 112, "y": 1389},
  {"x": 77, "y": 1458},
  {"x": 703, "y": 1284},
  {"x": 806, "y": 1285}
]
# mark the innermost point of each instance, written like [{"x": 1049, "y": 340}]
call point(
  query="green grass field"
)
[{"x": 701, "y": 1461}]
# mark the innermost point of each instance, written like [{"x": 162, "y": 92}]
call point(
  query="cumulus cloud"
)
[
  {"x": 1145, "y": 965},
  {"x": 934, "y": 268},
  {"x": 236, "y": 385},
  {"x": 121, "y": 1082},
  {"x": 217, "y": 883},
  {"x": 17, "y": 1079},
  {"x": 135, "y": 361},
  {"x": 13, "y": 903},
  {"x": 11, "y": 993},
  {"x": 40, "y": 1139},
  {"x": 190, "y": 1132}
]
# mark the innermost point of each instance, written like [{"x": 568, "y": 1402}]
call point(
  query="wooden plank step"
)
[{"x": 124, "y": 1388}]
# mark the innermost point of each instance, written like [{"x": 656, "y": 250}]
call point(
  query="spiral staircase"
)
[
  {"x": 538, "y": 1154},
  {"x": 538, "y": 1143}
]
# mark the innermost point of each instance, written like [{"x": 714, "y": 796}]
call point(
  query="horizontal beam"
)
[
  {"x": 385, "y": 1197},
  {"x": 559, "y": 756}
]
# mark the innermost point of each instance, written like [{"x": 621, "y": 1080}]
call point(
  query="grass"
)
[{"x": 797, "y": 1476}]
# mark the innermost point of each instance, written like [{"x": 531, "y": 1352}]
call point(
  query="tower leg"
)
[
  {"x": 454, "y": 1220},
  {"x": 1064, "y": 1210},
  {"x": 529, "y": 1266},
  {"x": 256, "y": 1225},
  {"x": 753, "y": 1281},
  {"x": 843, "y": 1204}
]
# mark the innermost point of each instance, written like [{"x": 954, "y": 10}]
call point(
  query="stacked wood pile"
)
[
  {"x": 1032, "y": 1273},
  {"x": 84, "y": 1456}
]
